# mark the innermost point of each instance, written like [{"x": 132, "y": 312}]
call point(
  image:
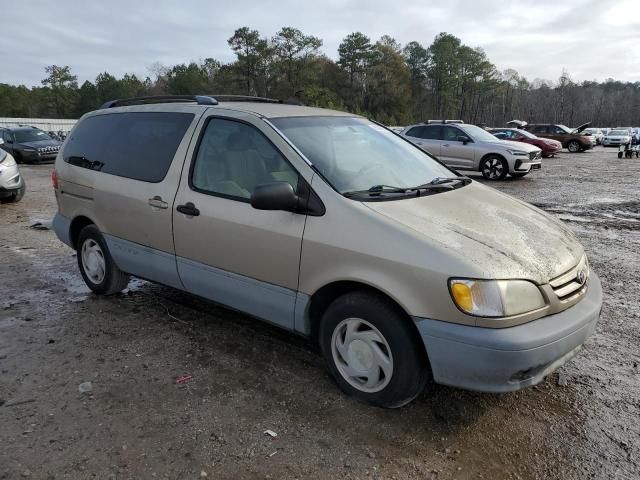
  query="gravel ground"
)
[{"x": 247, "y": 377}]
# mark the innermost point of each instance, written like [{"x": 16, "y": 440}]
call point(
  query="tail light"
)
[{"x": 54, "y": 179}]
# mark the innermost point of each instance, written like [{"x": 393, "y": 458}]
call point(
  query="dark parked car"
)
[
  {"x": 549, "y": 147},
  {"x": 571, "y": 139},
  {"x": 29, "y": 144}
]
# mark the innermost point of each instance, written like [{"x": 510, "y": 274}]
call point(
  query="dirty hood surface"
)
[{"x": 501, "y": 236}]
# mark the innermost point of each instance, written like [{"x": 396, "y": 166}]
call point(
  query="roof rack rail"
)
[
  {"x": 245, "y": 98},
  {"x": 249, "y": 98},
  {"x": 443, "y": 121},
  {"x": 199, "y": 99}
]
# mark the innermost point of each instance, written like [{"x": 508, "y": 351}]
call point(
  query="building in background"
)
[{"x": 46, "y": 124}]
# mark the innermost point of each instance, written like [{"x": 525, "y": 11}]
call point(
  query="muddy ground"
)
[{"x": 247, "y": 377}]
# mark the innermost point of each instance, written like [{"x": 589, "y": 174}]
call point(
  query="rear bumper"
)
[
  {"x": 61, "y": 225},
  {"x": 507, "y": 359}
]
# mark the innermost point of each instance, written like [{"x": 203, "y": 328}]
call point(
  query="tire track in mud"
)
[{"x": 614, "y": 215}]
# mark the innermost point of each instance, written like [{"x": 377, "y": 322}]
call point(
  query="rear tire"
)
[
  {"x": 371, "y": 350},
  {"x": 99, "y": 271},
  {"x": 574, "y": 146},
  {"x": 494, "y": 167}
]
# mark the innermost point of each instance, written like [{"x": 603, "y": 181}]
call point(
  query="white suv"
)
[{"x": 467, "y": 147}]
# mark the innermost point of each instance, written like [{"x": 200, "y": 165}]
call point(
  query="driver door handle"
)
[
  {"x": 188, "y": 209},
  {"x": 445, "y": 145},
  {"x": 157, "y": 202}
]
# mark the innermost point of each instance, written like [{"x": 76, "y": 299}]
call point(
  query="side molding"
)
[
  {"x": 301, "y": 322},
  {"x": 261, "y": 299},
  {"x": 144, "y": 262}
]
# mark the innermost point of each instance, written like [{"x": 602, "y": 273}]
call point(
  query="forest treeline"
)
[{"x": 392, "y": 83}]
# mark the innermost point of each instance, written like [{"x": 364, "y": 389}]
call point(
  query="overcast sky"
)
[{"x": 592, "y": 39}]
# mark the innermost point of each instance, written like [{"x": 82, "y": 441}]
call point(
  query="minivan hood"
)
[{"x": 498, "y": 235}]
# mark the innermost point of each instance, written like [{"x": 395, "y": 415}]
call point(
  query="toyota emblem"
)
[{"x": 582, "y": 276}]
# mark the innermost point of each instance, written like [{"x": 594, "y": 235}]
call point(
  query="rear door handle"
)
[
  {"x": 158, "y": 202},
  {"x": 188, "y": 209}
]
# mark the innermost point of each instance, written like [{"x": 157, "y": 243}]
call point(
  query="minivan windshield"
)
[
  {"x": 618, "y": 133},
  {"x": 34, "y": 135},
  {"x": 355, "y": 154}
]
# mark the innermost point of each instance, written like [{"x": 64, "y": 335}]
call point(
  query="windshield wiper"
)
[
  {"x": 445, "y": 180},
  {"x": 377, "y": 190},
  {"x": 439, "y": 183}
]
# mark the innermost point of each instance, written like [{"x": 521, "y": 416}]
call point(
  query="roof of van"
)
[
  {"x": 264, "y": 109},
  {"x": 275, "y": 110}
]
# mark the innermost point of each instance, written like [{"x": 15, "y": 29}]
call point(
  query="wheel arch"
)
[
  {"x": 76, "y": 226},
  {"x": 491, "y": 154},
  {"x": 324, "y": 296}
]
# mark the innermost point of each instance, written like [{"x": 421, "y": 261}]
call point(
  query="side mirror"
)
[
  {"x": 464, "y": 139},
  {"x": 274, "y": 196},
  {"x": 1, "y": 141}
]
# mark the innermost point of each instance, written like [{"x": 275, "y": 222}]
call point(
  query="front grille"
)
[
  {"x": 48, "y": 149},
  {"x": 573, "y": 283}
]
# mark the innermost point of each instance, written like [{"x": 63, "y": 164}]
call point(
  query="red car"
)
[{"x": 549, "y": 147}]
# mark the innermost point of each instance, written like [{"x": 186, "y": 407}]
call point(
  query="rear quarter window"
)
[{"x": 136, "y": 145}]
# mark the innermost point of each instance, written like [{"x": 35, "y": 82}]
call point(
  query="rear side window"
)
[
  {"x": 539, "y": 129},
  {"x": 415, "y": 132},
  {"x": 136, "y": 145}
]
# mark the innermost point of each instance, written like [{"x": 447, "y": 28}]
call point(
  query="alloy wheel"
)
[{"x": 493, "y": 169}]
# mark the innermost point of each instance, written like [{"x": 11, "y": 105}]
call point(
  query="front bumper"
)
[
  {"x": 34, "y": 157},
  {"x": 507, "y": 359},
  {"x": 10, "y": 180},
  {"x": 521, "y": 166}
]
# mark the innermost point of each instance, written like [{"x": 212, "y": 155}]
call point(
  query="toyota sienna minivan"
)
[{"x": 330, "y": 225}]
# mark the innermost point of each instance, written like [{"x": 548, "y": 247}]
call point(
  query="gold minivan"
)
[{"x": 330, "y": 225}]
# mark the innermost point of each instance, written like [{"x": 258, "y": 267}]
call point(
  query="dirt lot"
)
[{"x": 137, "y": 422}]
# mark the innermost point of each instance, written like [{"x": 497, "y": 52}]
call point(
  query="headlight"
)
[
  {"x": 495, "y": 298},
  {"x": 28, "y": 149},
  {"x": 518, "y": 153},
  {"x": 7, "y": 161}
]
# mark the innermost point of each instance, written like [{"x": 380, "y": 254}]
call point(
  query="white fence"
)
[{"x": 46, "y": 124}]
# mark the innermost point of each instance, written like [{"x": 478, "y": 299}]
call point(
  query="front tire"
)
[
  {"x": 372, "y": 352},
  {"x": 494, "y": 167},
  {"x": 99, "y": 271},
  {"x": 574, "y": 146}
]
